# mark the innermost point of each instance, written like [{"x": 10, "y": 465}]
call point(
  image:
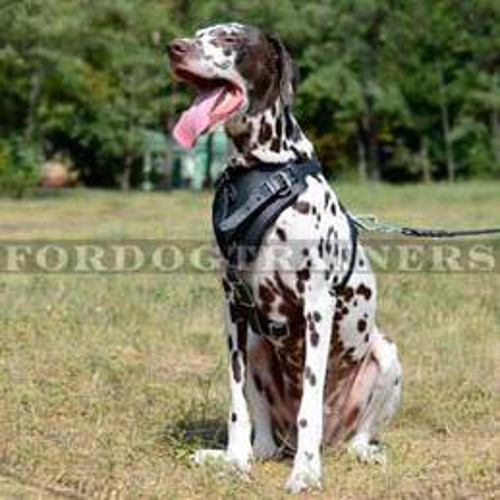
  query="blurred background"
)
[{"x": 394, "y": 91}]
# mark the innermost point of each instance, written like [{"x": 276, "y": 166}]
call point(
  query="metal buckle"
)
[
  {"x": 278, "y": 331},
  {"x": 280, "y": 184}
]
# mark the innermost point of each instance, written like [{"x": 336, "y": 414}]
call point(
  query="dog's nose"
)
[{"x": 178, "y": 48}]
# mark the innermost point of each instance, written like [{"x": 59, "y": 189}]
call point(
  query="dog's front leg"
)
[
  {"x": 239, "y": 448},
  {"x": 306, "y": 471}
]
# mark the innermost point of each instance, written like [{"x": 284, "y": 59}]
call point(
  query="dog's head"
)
[{"x": 235, "y": 69}]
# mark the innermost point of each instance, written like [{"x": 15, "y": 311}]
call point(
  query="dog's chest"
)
[{"x": 301, "y": 255}]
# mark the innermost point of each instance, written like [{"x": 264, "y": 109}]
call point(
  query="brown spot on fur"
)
[
  {"x": 347, "y": 294},
  {"x": 362, "y": 325},
  {"x": 327, "y": 198},
  {"x": 234, "y": 417},
  {"x": 317, "y": 316},
  {"x": 352, "y": 417},
  {"x": 303, "y": 274},
  {"x": 288, "y": 124},
  {"x": 281, "y": 234},
  {"x": 275, "y": 145},
  {"x": 265, "y": 132},
  {"x": 302, "y": 207},
  {"x": 241, "y": 141},
  {"x": 303, "y": 422},
  {"x": 364, "y": 291},
  {"x": 314, "y": 338},
  {"x": 309, "y": 375},
  {"x": 236, "y": 368},
  {"x": 266, "y": 294},
  {"x": 279, "y": 126}
]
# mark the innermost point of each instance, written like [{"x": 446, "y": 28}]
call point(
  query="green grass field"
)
[{"x": 107, "y": 383}]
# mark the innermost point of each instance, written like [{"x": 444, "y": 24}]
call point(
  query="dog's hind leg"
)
[
  {"x": 374, "y": 398},
  {"x": 264, "y": 445}
]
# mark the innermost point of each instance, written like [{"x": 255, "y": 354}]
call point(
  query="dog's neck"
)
[{"x": 271, "y": 136}]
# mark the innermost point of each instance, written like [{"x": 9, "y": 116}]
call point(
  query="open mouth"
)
[{"x": 217, "y": 99}]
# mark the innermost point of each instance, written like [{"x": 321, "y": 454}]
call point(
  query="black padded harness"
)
[{"x": 247, "y": 203}]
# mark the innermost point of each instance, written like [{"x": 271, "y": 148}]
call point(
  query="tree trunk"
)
[
  {"x": 495, "y": 124},
  {"x": 373, "y": 149},
  {"x": 32, "y": 121},
  {"x": 445, "y": 122},
  {"x": 370, "y": 134},
  {"x": 362, "y": 166},
  {"x": 425, "y": 161},
  {"x": 369, "y": 66},
  {"x": 127, "y": 172}
]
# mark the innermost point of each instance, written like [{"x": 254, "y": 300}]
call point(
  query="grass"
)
[{"x": 107, "y": 383}]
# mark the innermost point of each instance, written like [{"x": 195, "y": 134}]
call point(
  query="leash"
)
[{"x": 372, "y": 224}]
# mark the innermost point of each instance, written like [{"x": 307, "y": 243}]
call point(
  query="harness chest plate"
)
[{"x": 248, "y": 202}]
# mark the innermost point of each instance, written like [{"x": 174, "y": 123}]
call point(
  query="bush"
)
[{"x": 19, "y": 169}]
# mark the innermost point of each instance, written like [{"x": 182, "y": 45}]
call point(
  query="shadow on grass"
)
[{"x": 185, "y": 435}]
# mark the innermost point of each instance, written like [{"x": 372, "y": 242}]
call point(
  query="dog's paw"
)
[
  {"x": 222, "y": 458},
  {"x": 368, "y": 452},
  {"x": 303, "y": 481},
  {"x": 306, "y": 475}
]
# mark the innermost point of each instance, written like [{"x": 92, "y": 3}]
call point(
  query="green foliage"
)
[
  {"x": 395, "y": 90},
  {"x": 19, "y": 168}
]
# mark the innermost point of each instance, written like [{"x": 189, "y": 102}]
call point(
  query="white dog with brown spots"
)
[{"x": 334, "y": 379}]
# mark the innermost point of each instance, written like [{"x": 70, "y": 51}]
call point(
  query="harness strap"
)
[{"x": 279, "y": 184}]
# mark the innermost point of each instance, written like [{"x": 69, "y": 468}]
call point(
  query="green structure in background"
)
[
  {"x": 167, "y": 165},
  {"x": 155, "y": 160},
  {"x": 205, "y": 161}
]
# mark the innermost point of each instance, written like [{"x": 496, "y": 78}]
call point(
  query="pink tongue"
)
[{"x": 198, "y": 118}]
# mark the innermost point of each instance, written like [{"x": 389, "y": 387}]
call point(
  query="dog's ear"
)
[{"x": 287, "y": 69}]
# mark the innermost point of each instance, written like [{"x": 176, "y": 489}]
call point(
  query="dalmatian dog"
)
[{"x": 335, "y": 378}]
